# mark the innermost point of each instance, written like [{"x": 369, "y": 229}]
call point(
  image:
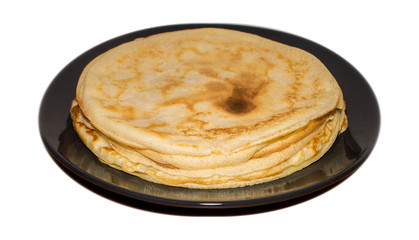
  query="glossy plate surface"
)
[{"x": 350, "y": 150}]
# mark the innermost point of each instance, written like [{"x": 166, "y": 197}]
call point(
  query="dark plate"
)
[{"x": 350, "y": 150}]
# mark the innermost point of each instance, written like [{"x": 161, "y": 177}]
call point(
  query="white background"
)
[{"x": 38, "y": 38}]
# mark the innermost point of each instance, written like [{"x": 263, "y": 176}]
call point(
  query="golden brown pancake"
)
[{"x": 208, "y": 108}]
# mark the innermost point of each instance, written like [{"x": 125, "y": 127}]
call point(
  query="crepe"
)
[{"x": 208, "y": 108}]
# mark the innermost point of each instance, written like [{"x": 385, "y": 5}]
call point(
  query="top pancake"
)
[{"x": 204, "y": 91}]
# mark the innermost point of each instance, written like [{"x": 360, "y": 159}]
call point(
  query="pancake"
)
[{"x": 208, "y": 108}]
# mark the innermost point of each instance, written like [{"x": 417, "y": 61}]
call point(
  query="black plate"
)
[{"x": 349, "y": 151}]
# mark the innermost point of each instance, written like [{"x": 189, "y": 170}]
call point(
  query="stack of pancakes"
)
[{"x": 208, "y": 108}]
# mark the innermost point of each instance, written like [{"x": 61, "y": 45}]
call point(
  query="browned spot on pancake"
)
[
  {"x": 165, "y": 165},
  {"x": 298, "y": 70},
  {"x": 246, "y": 86},
  {"x": 118, "y": 87},
  {"x": 126, "y": 112},
  {"x": 188, "y": 50},
  {"x": 189, "y": 125},
  {"x": 208, "y": 72},
  {"x": 92, "y": 133},
  {"x": 75, "y": 111},
  {"x": 317, "y": 89},
  {"x": 88, "y": 131},
  {"x": 232, "y": 55},
  {"x": 157, "y": 124},
  {"x": 76, "y": 115},
  {"x": 216, "y": 86},
  {"x": 238, "y": 105},
  {"x": 153, "y": 51},
  {"x": 230, "y": 131},
  {"x": 172, "y": 83},
  {"x": 109, "y": 150},
  {"x": 189, "y": 101},
  {"x": 267, "y": 65},
  {"x": 122, "y": 59}
]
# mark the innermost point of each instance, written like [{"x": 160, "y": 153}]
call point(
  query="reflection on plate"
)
[{"x": 349, "y": 151}]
